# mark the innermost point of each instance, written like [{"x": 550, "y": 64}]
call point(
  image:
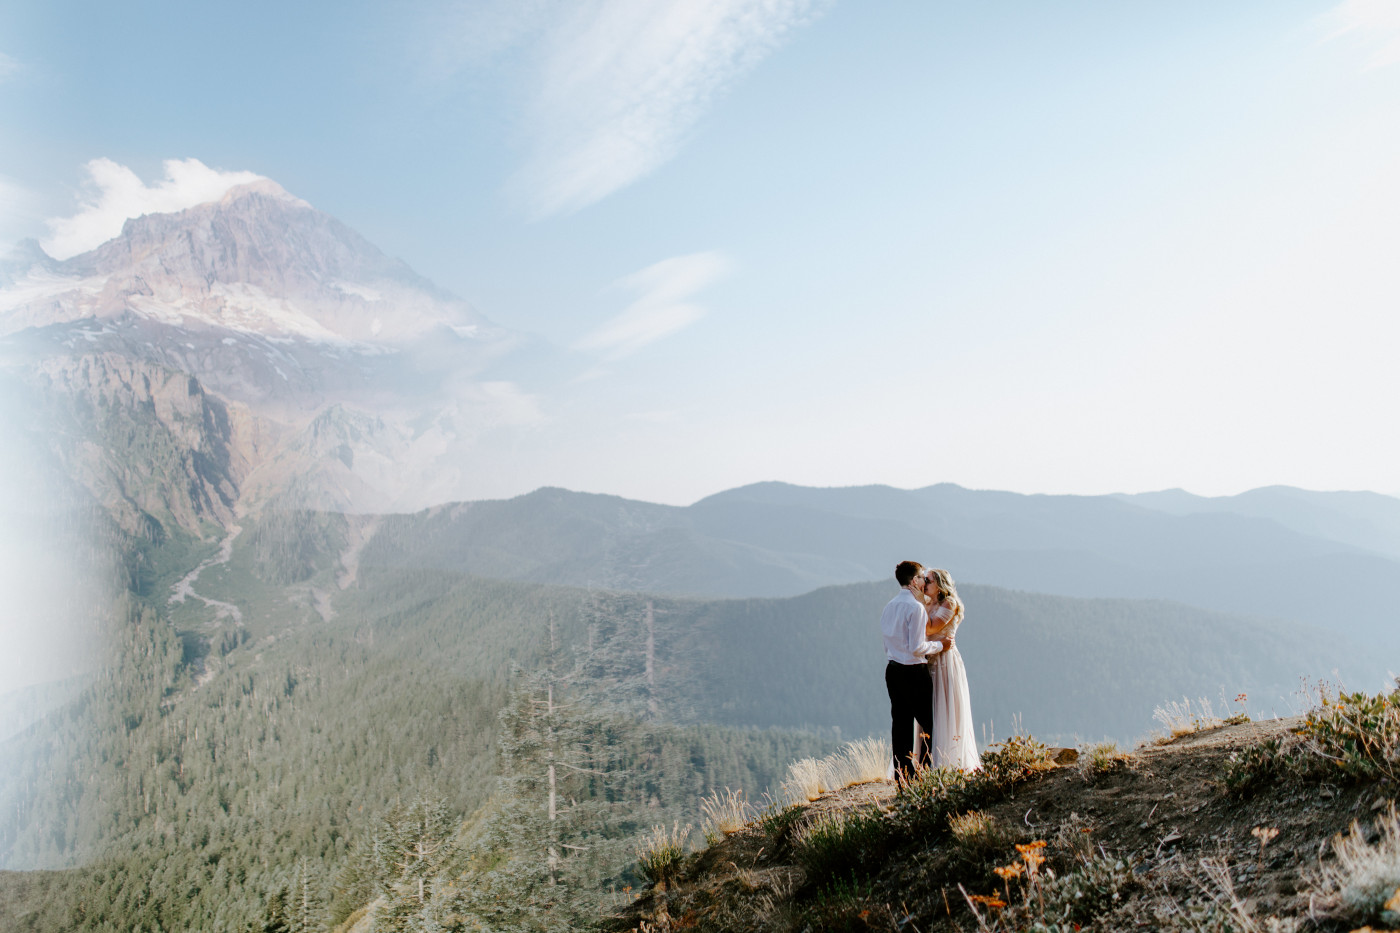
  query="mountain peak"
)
[
  {"x": 257, "y": 261},
  {"x": 265, "y": 187}
]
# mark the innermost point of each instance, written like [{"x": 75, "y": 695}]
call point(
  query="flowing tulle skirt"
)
[{"x": 954, "y": 737}]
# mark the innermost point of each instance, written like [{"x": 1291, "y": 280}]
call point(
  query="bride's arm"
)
[{"x": 940, "y": 621}]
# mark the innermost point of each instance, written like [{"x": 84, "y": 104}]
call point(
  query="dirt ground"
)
[{"x": 1163, "y": 811}]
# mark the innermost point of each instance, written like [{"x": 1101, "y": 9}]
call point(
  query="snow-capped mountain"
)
[{"x": 321, "y": 367}]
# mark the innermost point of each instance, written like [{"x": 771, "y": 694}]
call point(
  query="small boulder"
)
[{"x": 1063, "y": 756}]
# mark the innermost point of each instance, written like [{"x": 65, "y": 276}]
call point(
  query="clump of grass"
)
[
  {"x": 979, "y": 836},
  {"x": 840, "y": 843},
  {"x": 1363, "y": 882},
  {"x": 661, "y": 851},
  {"x": 1101, "y": 758},
  {"x": 861, "y": 762},
  {"x": 1183, "y": 718},
  {"x": 725, "y": 812},
  {"x": 806, "y": 780}
]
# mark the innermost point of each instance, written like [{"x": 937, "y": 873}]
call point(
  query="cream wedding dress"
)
[{"x": 954, "y": 738}]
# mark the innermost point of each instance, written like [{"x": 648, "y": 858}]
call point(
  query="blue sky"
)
[{"x": 1071, "y": 247}]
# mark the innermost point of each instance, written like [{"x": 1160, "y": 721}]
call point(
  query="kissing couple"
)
[{"x": 925, "y": 676}]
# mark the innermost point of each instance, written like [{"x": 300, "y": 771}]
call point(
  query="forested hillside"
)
[
  {"x": 251, "y": 739},
  {"x": 209, "y": 772}
]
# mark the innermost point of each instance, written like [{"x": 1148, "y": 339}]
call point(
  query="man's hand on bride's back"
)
[{"x": 947, "y": 641}]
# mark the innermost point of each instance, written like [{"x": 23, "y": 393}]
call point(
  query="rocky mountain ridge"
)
[{"x": 327, "y": 373}]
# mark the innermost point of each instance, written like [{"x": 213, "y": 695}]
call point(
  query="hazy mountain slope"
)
[
  {"x": 1362, "y": 519},
  {"x": 1064, "y": 666},
  {"x": 774, "y": 539}
]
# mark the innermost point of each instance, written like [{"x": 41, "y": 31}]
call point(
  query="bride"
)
[{"x": 954, "y": 741}]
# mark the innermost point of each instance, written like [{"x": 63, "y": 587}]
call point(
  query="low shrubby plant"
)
[
  {"x": 661, "y": 852},
  {"x": 1357, "y": 733},
  {"x": 1101, "y": 758},
  {"x": 778, "y": 820},
  {"x": 924, "y": 804},
  {"x": 1264, "y": 764},
  {"x": 842, "y": 842},
  {"x": 979, "y": 836},
  {"x": 1355, "y": 736},
  {"x": 1037, "y": 900}
]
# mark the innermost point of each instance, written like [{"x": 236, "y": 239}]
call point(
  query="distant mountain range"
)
[{"x": 773, "y": 539}]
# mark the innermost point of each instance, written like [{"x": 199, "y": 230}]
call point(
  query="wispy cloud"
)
[
  {"x": 663, "y": 304},
  {"x": 1375, "y": 22},
  {"x": 612, "y": 87},
  {"x": 9, "y": 67},
  {"x": 115, "y": 194}
]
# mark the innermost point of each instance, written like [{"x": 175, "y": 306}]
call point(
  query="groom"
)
[{"x": 906, "y": 675}]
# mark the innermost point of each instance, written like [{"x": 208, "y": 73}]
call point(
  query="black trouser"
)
[{"x": 911, "y": 701}]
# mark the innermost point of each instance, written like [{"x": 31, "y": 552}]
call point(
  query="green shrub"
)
[
  {"x": 1358, "y": 733},
  {"x": 779, "y": 821},
  {"x": 843, "y": 843},
  {"x": 979, "y": 836},
  {"x": 660, "y": 853},
  {"x": 1265, "y": 763},
  {"x": 1101, "y": 758},
  {"x": 1093, "y": 889},
  {"x": 924, "y": 804}
]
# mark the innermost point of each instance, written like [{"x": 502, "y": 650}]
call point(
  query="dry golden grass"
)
[
  {"x": 806, "y": 780},
  {"x": 1183, "y": 718},
  {"x": 861, "y": 762},
  {"x": 725, "y": 812}
]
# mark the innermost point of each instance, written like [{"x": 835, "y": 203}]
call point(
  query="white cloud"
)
[
  {"x": 1376, "y": 22},
  {"x": 612, "y": 87},
  {"x": 116, "y": 194},
  {"x": 662, "y": 306}
]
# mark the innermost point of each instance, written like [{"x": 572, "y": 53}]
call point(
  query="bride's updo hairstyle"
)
[
  {"x": 906, "y": 570},
  {"x": 948, "y": 588}
]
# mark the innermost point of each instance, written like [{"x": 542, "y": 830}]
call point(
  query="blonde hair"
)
[{"x": 944, "y": 581}]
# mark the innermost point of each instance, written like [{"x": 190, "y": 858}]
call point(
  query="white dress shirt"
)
[{"x": 902, "y": 624}]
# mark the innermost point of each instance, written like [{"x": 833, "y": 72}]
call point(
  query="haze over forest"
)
[{"x": 346, "y": 490}]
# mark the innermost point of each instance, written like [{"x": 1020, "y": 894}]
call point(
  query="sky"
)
[{"x": 1080, "y": 247}]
